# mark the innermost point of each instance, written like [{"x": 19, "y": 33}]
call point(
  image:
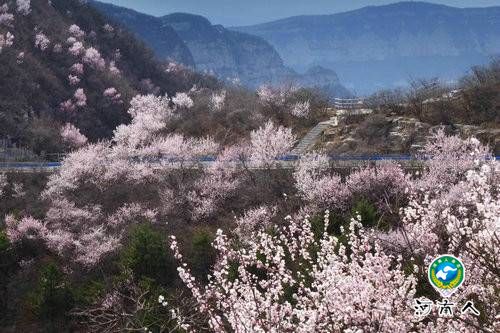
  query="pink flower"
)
[
  {"x": 173, "y": 67},
  {"x": 113, "y": 94},
  {"x": 80, "y": 98},
  {"x": 217, "y": 101},
  {"x": 20, "y": 58},
  {"x": 76, "y": 49},
  {"x": 333, "y": 288},
  {"x": 6, "y": 18},
  {"x": 41, "y": 41},
  {"x": 270, "y": 95},
  {"x": 73, "y": 80},
  {"x": 110, "y": 92},
  {"x": 58, "y": 48},
  {"x": 6, "y": 40},
  {"x": 71, "y": 135},
  {"x": 108, "y": 28},
  {"x": 67, "y": 106},
  {"x": 77, "y": 69},
  {"x": 182, "y": 100},
  {"x": 113, "y": 69},
  {"x": 26, "y": 228},
  {"x": 76, "y": 32},
  {"x": 301, "y": 109},
  {"x": 270, "y": 142},
  {"x": 254, "y": 220},
  {"x": 23, "y": 7},
  {"x": 93, "y": 58}
]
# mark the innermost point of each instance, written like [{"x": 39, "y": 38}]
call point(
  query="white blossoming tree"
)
[
  {"x": 72, "y": 136},
  {"x": 301, "y": 278},
  {"x": 270, "y": 142}
]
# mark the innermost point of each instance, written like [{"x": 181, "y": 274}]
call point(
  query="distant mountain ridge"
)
[
  {"x": 387, "y": 44},
  {"x": 228, "y": 54},
  {"x": 162, "y": 38}
]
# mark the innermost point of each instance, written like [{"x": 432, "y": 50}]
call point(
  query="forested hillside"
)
[
  {"x": 160, "y": 37},
  {"x": 61, "y": 62}
]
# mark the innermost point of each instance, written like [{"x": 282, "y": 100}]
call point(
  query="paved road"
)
[{"x": 287, "y": 162}]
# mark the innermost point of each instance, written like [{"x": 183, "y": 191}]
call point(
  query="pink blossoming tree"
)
[
  {"x": 80, "y": 98},
  {"x": 270, "y": 142},
  {"x": 42, "y": 42},
  {"x": 6, "y": 40},
  {"x": 23, "y": 7},
  {"x": 279, "y": 285},
  {"x": 182, "y": 100},
  {"x": 93, "y": 58},
  {"x": 6, "y": 18},
  {"x": 293, "y": 279},
  {"x": 76, "y": 31},
  {"x": 72, "y": 135},
  {"x": 139, "y": 154}
]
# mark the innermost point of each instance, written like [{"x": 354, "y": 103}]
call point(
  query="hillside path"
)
[{"x": 310, "y": 139}]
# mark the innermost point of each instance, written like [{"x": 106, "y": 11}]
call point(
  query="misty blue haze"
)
[
  {"x": 383, "y": 46},
  {"x": 244, "y": 12}
]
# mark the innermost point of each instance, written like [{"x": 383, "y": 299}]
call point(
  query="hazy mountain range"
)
[
  {"x": 371, "y": 48},
  {"x": 194, "y": 41},
  {"x": 384, "y": 46},
  {"x": 160, "y": 37}
]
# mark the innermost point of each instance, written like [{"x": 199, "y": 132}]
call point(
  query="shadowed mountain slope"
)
[{"x": 384, "y": 46}]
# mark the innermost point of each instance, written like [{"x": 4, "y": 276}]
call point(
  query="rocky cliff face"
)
[
  {"x": 323, "y": 79},
  {"x": 386, "y": 45},
  {"x": 161, "y": 38},
  {"x": 230, "y": 55},
  {"x": 378, "y": 134}
]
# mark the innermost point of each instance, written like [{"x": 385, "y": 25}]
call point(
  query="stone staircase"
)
[{"x": 310, "y": 139}]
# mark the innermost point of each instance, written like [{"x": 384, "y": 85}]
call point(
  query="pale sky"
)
[{"x": 246, "y": 12}]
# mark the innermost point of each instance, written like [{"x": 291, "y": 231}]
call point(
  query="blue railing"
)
[
  {"x": 29, "y": 165},
  {"x": 372, "y": 158},
  {"x": 287, "y": 158}
]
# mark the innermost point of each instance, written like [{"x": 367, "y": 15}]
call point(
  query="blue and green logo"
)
[{"x": 446, "y": 274}]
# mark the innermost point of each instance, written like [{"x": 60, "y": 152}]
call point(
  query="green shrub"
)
[
  {"x": 4, "y": 242},
  {"x": 203, "y": 255},
  {"x": 89, "y": 292},
  {"x": 52, "y": 298},
  {"x": 7, "y": 266},
  {"x": 147, "y": 255},
  {"x": 367, "y": 211},
  {"x": 335, "y": 221}
]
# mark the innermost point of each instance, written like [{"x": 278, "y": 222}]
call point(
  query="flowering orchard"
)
[
  {"x": 307, "y": 272},
  {"x": 154, "y": 172},
  {"x": 299, "y": 278},
  {"x": 255, "y": 247}
]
